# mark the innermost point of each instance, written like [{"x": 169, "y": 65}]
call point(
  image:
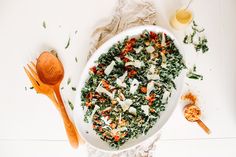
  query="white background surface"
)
[{"x": 30, "y": 124}]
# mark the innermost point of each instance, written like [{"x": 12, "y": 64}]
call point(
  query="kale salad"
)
[{"x": 130, "y": 85}]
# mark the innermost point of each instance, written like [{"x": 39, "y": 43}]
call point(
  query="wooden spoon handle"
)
[
  {"x": 54, "y": 100},
  {"x": 203, "y": 126},
  {"x": 71, "y": 131}
]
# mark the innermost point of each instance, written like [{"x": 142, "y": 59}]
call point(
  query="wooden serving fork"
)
[
  {"x": 38, "y": 85},
  {"x": 45, "y": 89}
]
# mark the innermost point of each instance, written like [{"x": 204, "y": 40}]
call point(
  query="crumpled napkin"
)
[{"x": 128, "y": 13}]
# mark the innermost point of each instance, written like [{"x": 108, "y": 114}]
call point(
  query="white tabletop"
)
[{"x": 30, "y": 124}]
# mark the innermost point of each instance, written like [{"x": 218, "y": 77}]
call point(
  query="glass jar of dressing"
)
[{"x": 181, "y": 19}]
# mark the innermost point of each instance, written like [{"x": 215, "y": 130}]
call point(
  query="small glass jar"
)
[{"x": 181, "y": 19}]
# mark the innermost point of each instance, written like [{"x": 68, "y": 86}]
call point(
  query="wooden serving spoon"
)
[
  {"x": 50, "y": 71},
  {"x": 192, "y": 113}
]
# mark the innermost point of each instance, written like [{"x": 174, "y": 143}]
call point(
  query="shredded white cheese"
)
[
  {"x": 100, "y": 89},
  {"x": 150, "y": 87},
  {"x": 113, "y": 93},
  {"x": 114, "y": 132},
  {"x": 138, "y": 50},
  {"x": 106, "y": 121},
  {"x": 163, "y": 65},
  {"x": 109, "y": 68},
  {"x": 96, "y": 107},
  {"x": 118, "y": 59},
  {"x": 125, "y": 104},
  {"x": 135, "y": 63},
  {"x": 117, "y": 131},
  {"x": 150, "y": 49},
  {"x": 134, "y": 86},
  {"x": 129, "y": 57},
  {"x": 165, "y": 96},
  {"x": 120, "y": 80},
  {"x": 122, "y": 128},
  {"x": 152, "y": 68},
  {"x": 120, "y": 118},
  {"x": 120, "y": 83},
  {"x": 163, "y": 41},
  {"x": 153, "y": 77},
  {"x": 132, "y": 110},
  {"x": 145, "y": 109}
]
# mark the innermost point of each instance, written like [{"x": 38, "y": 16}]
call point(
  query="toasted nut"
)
[
  {"x": 121, "y": 96},
  {"x": 113, "y": 102},
  {"x": 113, "y": 125},
  {"x": 147, "y": 43}
]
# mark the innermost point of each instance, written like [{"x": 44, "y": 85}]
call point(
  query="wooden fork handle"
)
[
  {"x": 71, "y": 131},
  {"x": 203, "y": 126},
  {"x": 54, "y": 100}
]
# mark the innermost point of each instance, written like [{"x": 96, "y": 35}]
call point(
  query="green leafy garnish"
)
[
  {"x": 68, "y": 43},
  {"x": 193, "y": 75},
  {"x": 44, "y": 25},
  {"x": 31, "y": 87},
  {"x": 201, "y": 45},
  {"x": 68, "y": 81},
  {"x": 71, "y": 105},
  {"x": 197, "y": 33},
  {"x": 100, "y": 92}
]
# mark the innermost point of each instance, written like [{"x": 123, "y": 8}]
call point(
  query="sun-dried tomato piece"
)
[
  {"x": 151, "y": 99},
  {"x": 89, "y": 95},
  {"x": 143, "y": 89},
  {"x": 116, "y": 138},
  {"x": 105, "y": 84},
  {"x": 132, "y": 73},
  {"x": 88, "y": 104},
  {"x": 93, "y": 69},
  {"x": 153, "y": 35},
  {"x": 100, "y": 72}
]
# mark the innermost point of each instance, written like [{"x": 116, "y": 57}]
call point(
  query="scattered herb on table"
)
[
  {"x": 201, "y": 45},
  {"x": 68, "y": 81},
  {"x": 25, "y": 88},
  {"x": 76, "y": 59},
  {"x": 197, "y": 38},
  {"x": 62, "y": 88},
  {"x": 76, "y": 31},
  {"x": 44, "y": 25},
  {"x": 71, "y": 105},
  {"x": 31, "y": 87},
  {"x": 73, "y": 88},
  {"x": 130, "y": 85},
  {"x": 68, "y": 43},
  {"x": 192, "y": 74}
]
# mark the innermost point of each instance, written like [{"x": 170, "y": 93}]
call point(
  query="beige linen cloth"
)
[{"x": 128, "y": 13}]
